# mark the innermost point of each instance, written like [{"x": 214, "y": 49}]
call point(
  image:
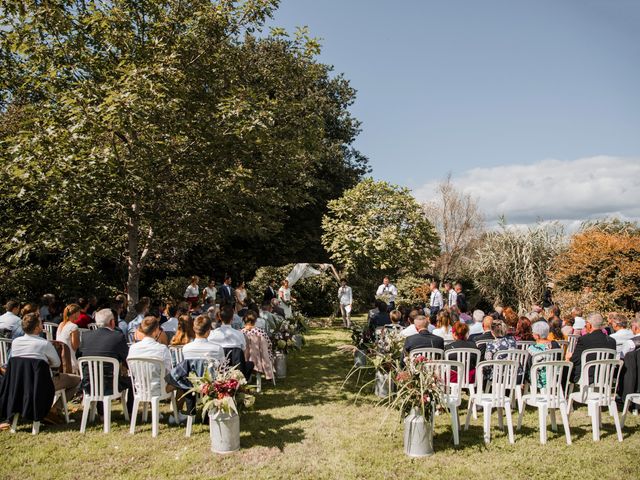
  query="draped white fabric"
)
[{"x": 305, "y": 270}]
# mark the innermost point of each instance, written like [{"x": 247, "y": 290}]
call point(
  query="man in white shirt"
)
[
  {"x": 226, "y": 336},
  {"x": 150, "y": 348},
  {"x": 435, "y": 303},
  {"x": 32, "y": 345},
  {"x": 10, "y": 321},
  {"x": 621, "y": 334},
  {"x": 388, "y": 290},
  {"x": 451, "y": 295},
  {"x": 345, "y": 299},
  {"x": 201, "y": 347},
  {"x": 634, "y": 342},
  {"x": 476, "y": 327}
]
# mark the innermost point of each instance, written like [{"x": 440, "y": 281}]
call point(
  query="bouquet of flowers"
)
[
  {"x": 221, "y": 389},
  {"x": 418, "y": 387},
  {"x": 282, "y": 336},
  {"x": 386, "y": 352}
]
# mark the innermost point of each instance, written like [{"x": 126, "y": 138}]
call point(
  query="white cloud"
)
[{"x": 569, "y": 191}]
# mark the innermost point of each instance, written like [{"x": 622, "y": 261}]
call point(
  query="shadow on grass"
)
[{"x": 267, "y": 431}]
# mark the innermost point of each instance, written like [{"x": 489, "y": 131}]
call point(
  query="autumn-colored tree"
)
[{"x": 602, "y": 265}]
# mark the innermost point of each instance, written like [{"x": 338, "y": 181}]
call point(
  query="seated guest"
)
[
  {"x": 226, "y": 336},
  {"x": 10, "y": 322},
  {"x": 510, "y": 318},
  {"x": 541, "y": 335},
  {"x": 502, "y": 341},
  {"x": 523, "y": 330},
  {"x": 276, "y": 308},
  {"x": 621, "y": 333},
  {"x": 259, "y": 350},
  {"x": 201, "y": 347},
  {"x": 149, "y": 347},
  {"x": 381, "y": 318},
  {"x": 567, "y": 325},
  {"x": 266, "y": 321},
  {"x": 579, "y": 323},
  {"x": 84, "y": 319},
  {"x": 555, "y": 329},
  {"x": 395, "y": 316},
  {"x": 68, "y": 332},
  {"x": 411, "y": 328},
  {"x": 594, "y": 338},
  {"x": 460, "y": 333},
  {"x": 423, "y": 339},
  {"x": 171, "y": 325},
  {"x": 117, "y": 307},
  {"x": 237, "y": 323},
  {"x": 107, "y": 341},
  {"x": 634, "y": 342},
  {"x": 184, "y": 333},
  {"x": 476, "y": 326},
  {"x": 141, "y": 309},
  {"x": 443, "y": 328},
  {"x": 31, "y": 345},
  {"x": 485, "y": 335}
]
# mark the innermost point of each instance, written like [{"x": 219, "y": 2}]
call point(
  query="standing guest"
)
[
  {"x": 240, "y": 294},
  {"x": 634, "y": 342},
  {"x": 547, "y": 298},
  {"x": 284, "y": 295},
  {"x": 184, "y": 333},
  {"x": 345, "y": 299},
  {"x": 435, "y": 302},
  {"x": 567, "y": 325},
  {"x": 622, "y": 334},
  {"x": 171, "y": 325},
  {"x": 270, "y": 291},
  {"x": 443, "y": 327},
  {"x": 461, "y": 298},
  {"x": 594, "y": 338},
  {"x": 555, "y": 329},
  {"x": 69, "y": 334},
  {"x": 579, "y": 323},
  {"x": 10, "y": 322},
  {"x": 83, "y": 320},
  {"x": 423, "y": 339},
  {"x": 106, "y": 341},
  {"x": 476, "y": 327},
  {"x": 523, "y": 330},
  {"x": 450, "y": 294},
  {"x": 226, "y": 291},
  {"x": 192, "y": 292},
  {"x": 226, "y": 336},
  {"x": 381, "y": 318},
  {"x": 201, "y": 347},
  {"x": 32, "y": 345},
  {"x": 388, "y": 290},
  {"x": 209, "y": 292}
]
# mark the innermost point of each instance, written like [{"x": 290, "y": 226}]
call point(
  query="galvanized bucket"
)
[
  {"x": 418, "y": 434},
  {"x": 225, "y": 432},
  {"x": 297, "y": 340},
  {"x": 383, "y": 385},
  {"x": 281, "y": 365},
  {"x": 360, "y": 359}
]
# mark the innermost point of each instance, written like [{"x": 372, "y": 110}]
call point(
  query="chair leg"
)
[
  {"x": 92, "y": 411},
  {"x": 500, "y": 419},
  {"x": 471, "y": 406},
  {"x": 542, "y": 421},
  {"x": 106, "y": 412},
  {"x": 565, "y": 422},
  {"x": 521, "y": 408},
  {"x": 65, "y": 407},
  {"x": 189, "y": 426},
  {"x": 595, "y": 422},
  {"x": 134, "y": 415},
  {"x": 36, "y": 428},
  {"x": 472, "y": 391},
  {"x": 145, "y": 412},
  {"x": 507, "y": 413},
  {"x": 123, "y": 400},
  {"x": 455, "y": 424},
  {"x": 86, "y": 407},
  {"x": 613, "y": 411},
  {"x": 174, "y": 407},
  {"x": 486, "y": 410},
  {"x": 14, "y": 424},
  {"x": 258, "y": 383},
  {"x": 155, "y": 416},
  {"x": 554, "y": 420},
  {"x": 625, "y": 409}
]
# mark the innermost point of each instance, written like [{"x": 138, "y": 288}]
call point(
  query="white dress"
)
[
  {"x": 64, "y": 335},
  {"x": 441, "y": 332},
  {"x": 284, "y": 295}
]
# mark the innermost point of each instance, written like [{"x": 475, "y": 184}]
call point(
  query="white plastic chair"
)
[
  {"x": 550, "y": 398},
  {"x": 95, "y": 371},
  {"x": 429, "y": 353},
  {"x": 5, "y": 346},
  {"x": 564, "y": 344},
  {"x": 149, "y": 386},
  {"x": 631, "y": 398},
  {"x": 524, "y": 344},
  {"x": 176, "y": 354},
  {"x": 549, "y": 355},
  {"x": 503, "y": 380},
  {"x": 572, "y": 339},
  {"x": 464, "y": 356},
  {"x": 451, "y": 391},
  {"x": 521, "y": 357},
  {"x": 82, "y": 331},
  {"x": 93, "y": 326},
  {"x": 480, "y": 343},
  {"x": 599, "y": 393},
  {"x": 48, "y": 330}
]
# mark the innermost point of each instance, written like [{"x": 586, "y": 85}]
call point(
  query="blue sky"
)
[{"x": 467, "y": 86}]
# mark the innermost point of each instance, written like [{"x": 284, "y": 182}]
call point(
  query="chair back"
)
[
  {"x": 147, "y": 377},
  {"x": 430, "y": 354},
  {"x": 5, "y": 346},
  {"x": 479, "y": 343},
  {"x": 64, "y": 352},
  {"x": 176, "y": 354},
  {"x": 49, "y": 329},
  {"x": 503, "y": 375},
  {"x": 524, "y": 344},
  {"x": 521, "y": 357},
  {"x": 593, "y": 354},
  {"x": 549, "y": 355},
  {"x": 464, "y": 356},
  {"x": 564, "y": 345},
  {"x": 94, "y": 377},
  {"x": 606, "y": 374},
  {"x": 394, "y": 326},
  {"x": 82, "y": 331},
  {"x": 443, "y": 368},
  {"x": 93, "y": 326},
  {"x": 555, "y": 389},
  {"x": 572, "y": 339}
]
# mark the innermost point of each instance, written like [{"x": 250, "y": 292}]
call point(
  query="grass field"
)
[{"x": 307, "y": 427}]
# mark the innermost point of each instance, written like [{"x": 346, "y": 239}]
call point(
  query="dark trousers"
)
[{"x": 433, "y": 314}]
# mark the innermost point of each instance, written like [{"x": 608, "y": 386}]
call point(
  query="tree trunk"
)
[{"x": 133, "y": 263}]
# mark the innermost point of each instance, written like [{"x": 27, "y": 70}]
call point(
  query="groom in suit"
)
[
  {"x": 226, "y": 292},
  {"x": 270, "y": 291}
]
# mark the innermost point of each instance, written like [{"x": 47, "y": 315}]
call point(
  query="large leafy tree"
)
[
  {"x": 377, "y": 228},
  {"x": 140, "y": 129}
]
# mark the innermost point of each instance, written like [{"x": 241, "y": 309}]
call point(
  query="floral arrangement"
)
[
  {"x": 282, "y": 336},
  {"x": 418, "y": 387},
  {"x": 386, "y": 351},
  {"x": 221, "y": 389}
]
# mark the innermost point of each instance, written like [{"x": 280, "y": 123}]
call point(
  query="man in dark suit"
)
[
  {"x": 270, "y": 291},
  {"x": 106, "y": 341},
  {"x": 381, "y": 318},
  {"x": 485, "y": 335},
  {"x": 595, "y": 338},
  {"x": 226, "y": 292},
  {"x": 423, "y": 339}
]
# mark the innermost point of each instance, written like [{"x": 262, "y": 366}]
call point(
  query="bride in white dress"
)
[{"x": 284, "y": 295}]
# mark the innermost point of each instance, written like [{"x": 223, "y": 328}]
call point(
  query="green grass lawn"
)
[{"x": 307, "y": 427}]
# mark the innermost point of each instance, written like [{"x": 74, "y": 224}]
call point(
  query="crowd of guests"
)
[{"x": 197, "y": 325}]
